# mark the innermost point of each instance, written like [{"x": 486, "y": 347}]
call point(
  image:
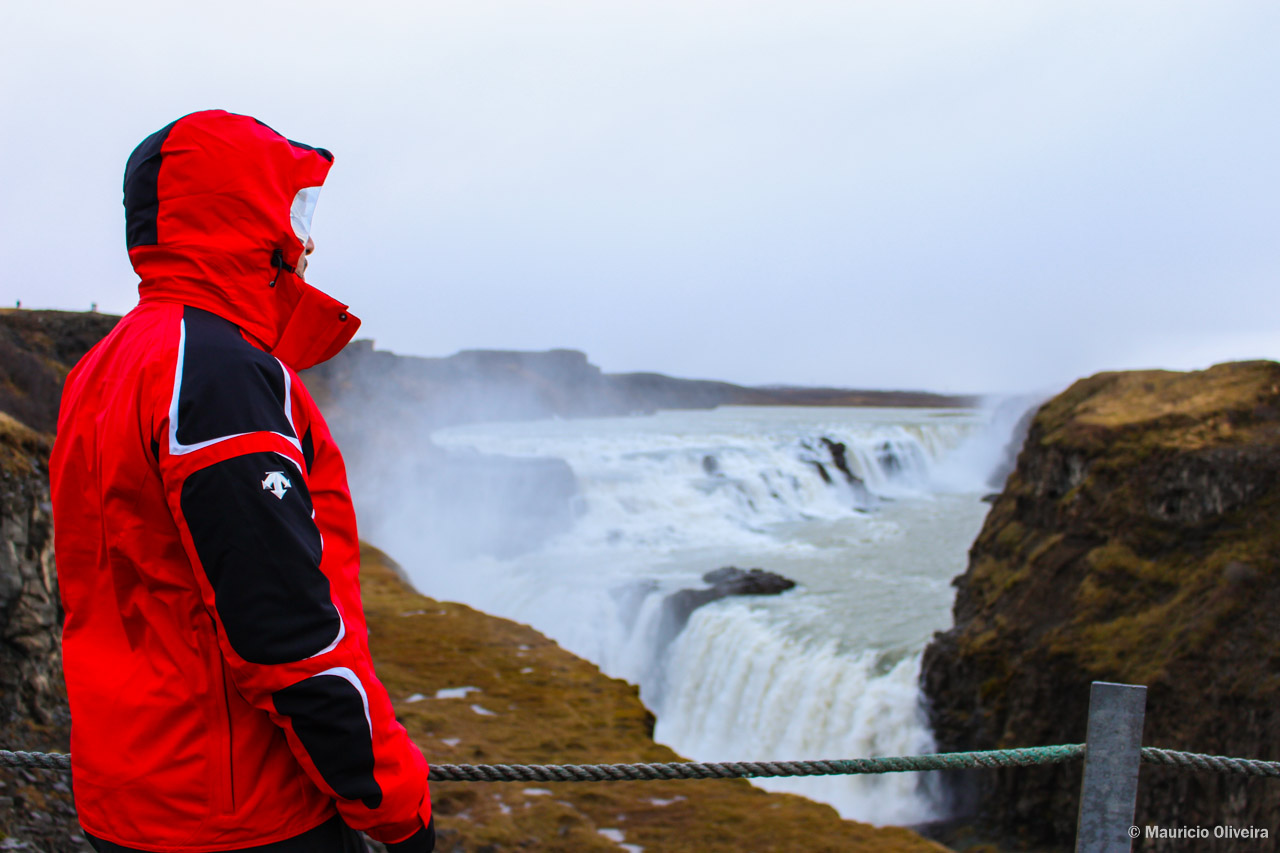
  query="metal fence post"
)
[{"x": 1113, "y": 754}]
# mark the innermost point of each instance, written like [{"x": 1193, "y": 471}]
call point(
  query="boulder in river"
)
[{"x": 723, "y": 582}]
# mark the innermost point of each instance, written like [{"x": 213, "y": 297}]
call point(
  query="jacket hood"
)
[{"x": 217, "y": 214}]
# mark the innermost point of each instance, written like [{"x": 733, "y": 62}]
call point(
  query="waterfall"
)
[
  {"x": 744, "y": 691},
  {"x": 870, "y": 511}
]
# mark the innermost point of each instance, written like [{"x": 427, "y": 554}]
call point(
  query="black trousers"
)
[{"x": 332, "y": 836}]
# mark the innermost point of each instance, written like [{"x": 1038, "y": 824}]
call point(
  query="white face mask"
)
[
  {"x": 300, "y": 214},
  {"x": 301, "y": 211}
]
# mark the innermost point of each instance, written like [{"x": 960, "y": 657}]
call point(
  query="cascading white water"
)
[
  {"x": 798, "y": 700},
  {"x": 826, "y": 670}
]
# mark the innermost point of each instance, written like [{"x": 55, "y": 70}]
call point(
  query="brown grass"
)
[
  {"x": 1166, "y": 408},
  {"x": 22, "y": 449}
]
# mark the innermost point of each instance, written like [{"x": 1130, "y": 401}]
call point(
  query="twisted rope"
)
[
  {"x": 41, "y": 760},
  {"x": 751, "y": 769},
  {"x": 1216, "y": 763},
  {"x": 1025, "y": 757},
  {"x": 685, "y": 769}
]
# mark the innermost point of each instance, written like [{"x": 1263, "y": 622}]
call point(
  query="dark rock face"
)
[
  {"x": 36, "y": 807},
  {"x": 37, "y": 349},
  {"x": 724, "y": 582},
  {"x": 1209, "y": 483},
  {"x": 30, "y": 613},
  {"x": 1136, "y": 541}
]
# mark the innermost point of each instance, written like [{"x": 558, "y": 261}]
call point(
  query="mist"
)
[{"x": 491, "y": 484}]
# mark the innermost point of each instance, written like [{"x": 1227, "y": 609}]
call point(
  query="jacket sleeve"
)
[{"x": 237, "y": 482}]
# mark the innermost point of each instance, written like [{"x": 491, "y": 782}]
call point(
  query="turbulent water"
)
[{"x": 826, "y": 670}]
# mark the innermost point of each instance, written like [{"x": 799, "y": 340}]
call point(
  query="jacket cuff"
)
[
  {"x": 406, "y": 830},
  {"x": 422, "y": 841}
]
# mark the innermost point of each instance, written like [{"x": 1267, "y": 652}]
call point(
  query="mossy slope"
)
[
  {"x": 37, "y": 350},
  {"x": 546, "y": 706},
  {"x": 23, "y": 451},
  {"x": 1137, "y": 541}
]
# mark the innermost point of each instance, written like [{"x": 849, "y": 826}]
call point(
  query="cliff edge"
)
[{"x": 1136, "y": 541}]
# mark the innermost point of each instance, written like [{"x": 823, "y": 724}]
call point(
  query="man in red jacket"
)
[{"x": 216, "y": 655}]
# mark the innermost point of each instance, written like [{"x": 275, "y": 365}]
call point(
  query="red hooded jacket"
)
[{"x": 216, "y": 654}]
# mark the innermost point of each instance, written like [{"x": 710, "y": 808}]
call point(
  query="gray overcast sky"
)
[{"x": 961, "y": 196}]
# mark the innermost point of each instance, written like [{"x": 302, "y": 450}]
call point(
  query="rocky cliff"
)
[
  {"x": 37, "y": 350},
  {"x": 34, "y": 807},
  {"x": 1136, "y": 541},
  {"x": 30, "y": 621}
]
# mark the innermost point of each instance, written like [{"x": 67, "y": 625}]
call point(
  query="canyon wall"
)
[{"x": 1136, "y": 541}]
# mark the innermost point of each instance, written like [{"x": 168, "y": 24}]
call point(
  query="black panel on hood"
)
[{"x": 141, "y": 196}]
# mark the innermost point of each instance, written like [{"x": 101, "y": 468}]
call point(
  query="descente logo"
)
[{"x": 276, "y": 483}]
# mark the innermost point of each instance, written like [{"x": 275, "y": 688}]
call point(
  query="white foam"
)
[{"x": 644, "y": 487}]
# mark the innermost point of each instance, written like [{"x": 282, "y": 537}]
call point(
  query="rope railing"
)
[
  {"x": 1216, "y": 763},
  {"x": 1024, "y": 757},
  {"x": 753, "y": 769}
]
